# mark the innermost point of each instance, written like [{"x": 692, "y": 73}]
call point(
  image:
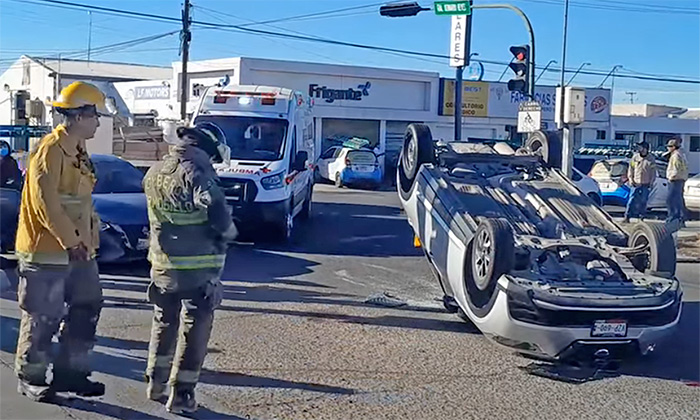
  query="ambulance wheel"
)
[
  {"x": 306, "y": 208},
  {"x": 284, "y": 228}
]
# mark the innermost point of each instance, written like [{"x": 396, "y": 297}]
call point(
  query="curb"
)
[{"x": 687, "y": 259}]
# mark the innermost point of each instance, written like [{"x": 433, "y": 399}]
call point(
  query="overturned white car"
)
[{"x": 534, "y": 263}]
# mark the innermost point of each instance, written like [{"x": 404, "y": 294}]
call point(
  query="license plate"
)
[
  {"x": 363, "y": 168},
  {"x": 142, "y": 244},
  {"x": 608, "y": 186},
  {"x": 609, "y": 329}
]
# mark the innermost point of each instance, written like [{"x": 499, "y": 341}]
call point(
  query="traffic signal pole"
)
[
  {"x": 459, "y": 76},
  {"x": 528, "y": 26},
  {"x": 186, "y": 37},
  {"x": 567, "y": 160}
]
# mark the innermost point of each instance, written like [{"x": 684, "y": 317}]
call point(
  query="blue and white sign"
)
[
  {"x": 505, "y": 104},
  {"x": 475, "y": 71}
]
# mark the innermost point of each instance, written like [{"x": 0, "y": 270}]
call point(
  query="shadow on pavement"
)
[
  {"x": 103, "y": 408},
  {"x": 353, "y": 229},
  {"x": 384, "y": 320},
  {"x": 677, "y": 358},
  {"x": 243, "y": 380}
]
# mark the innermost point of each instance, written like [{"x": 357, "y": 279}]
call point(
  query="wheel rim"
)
[
  {"x": 411, "y": 154},
  {"x": 289, "y": 222},
  {"x": 640, "y": 241},
  {"x": 536, "y": 148},
  {"x": 483, "y": 261}
]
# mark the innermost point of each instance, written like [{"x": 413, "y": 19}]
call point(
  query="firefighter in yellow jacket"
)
[
  {"x": 190, "y": 228},
  {"x": 57, "y": 240}
]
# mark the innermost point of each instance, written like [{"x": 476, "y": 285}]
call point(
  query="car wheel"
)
[
  {"x": 338, "y": 180},
  {"x": 596, "y": 198},
  {"x": 285, "y": 228},
  {"x": 547, "y": 145},
  {"x": 660, "y": 252},
  {"x": 417, "y": 149},
  {"x": 491, "y": 254},
  {"x": 306, "y": 208}
]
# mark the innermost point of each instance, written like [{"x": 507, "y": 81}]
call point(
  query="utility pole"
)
[
  {"x": 186, "y": 37},
  {"x": 459, "y": 76},
  {"x": 89, "y": 36},
  {"x": 567, "y": 149},
  {"x": 632, "y": 95}
]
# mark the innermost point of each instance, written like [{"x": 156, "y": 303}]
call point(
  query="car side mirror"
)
[{"x": 300, "y": 161}]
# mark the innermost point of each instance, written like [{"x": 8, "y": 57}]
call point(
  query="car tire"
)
[
  {"x": 306, "y": 208},
  {"x": 417, "y": 149},
  {"x": 338, "y": 180},
  {"x": 490, "y": 255},
  {"x": 596, "y": 198},
  {"x": 285, "y": 228},
  {"x": 547, "y": 145},
  {"x": 660, "y": 257}
]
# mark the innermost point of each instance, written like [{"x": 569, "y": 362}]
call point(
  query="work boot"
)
[
  {"x": 181, "y": 401},
  {"x": 35, "y": 392},
  {"x": 76, "y": 382},
  {"x": 155, "y": 390}
]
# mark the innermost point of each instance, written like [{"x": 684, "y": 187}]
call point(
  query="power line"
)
[
  {"x": 239, "y": 29},
  {"x": 611, "y": 6}
]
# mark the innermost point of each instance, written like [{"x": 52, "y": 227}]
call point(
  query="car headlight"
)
[{"x": 273, "y": 182}]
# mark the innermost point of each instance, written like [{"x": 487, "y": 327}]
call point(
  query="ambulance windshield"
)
[{"x": 251, "y": 138}]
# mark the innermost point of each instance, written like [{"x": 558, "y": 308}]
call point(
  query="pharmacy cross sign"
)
[{"x": 453, "y": 8}]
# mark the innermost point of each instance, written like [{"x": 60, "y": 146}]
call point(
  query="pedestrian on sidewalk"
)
[
  {"x": 190, "y": 229},
  {"x": 641, "y": 174},
  {"x": 677, "y": 174},
  {"x": 57, "y": 240}
]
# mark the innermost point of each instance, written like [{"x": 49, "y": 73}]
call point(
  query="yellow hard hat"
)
[{"x": 80, "y": 94}]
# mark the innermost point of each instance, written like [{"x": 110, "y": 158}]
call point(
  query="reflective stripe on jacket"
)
[
  {"x": 57, "y": 212},
  {"x": 185, "y": 212},
  {"x": 677, "y": 167}
]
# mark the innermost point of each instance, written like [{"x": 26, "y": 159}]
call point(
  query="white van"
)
[{"x": 270, "y": 132}]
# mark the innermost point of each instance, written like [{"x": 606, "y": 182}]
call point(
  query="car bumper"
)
[
  {"x": 350, "y": 177},
  {"x": 692, "y": 202},
  {"x": 122, "y": 243},
  {"x": 246, "y": 214},
  {"x": 562, "y": 342},
  {"x": 618, "y": 197}
]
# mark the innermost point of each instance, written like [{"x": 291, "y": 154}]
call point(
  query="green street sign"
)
[{"x": 453, "y": 8}]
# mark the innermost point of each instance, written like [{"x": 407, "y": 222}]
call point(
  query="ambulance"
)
[{"x": 268, "y": 180}]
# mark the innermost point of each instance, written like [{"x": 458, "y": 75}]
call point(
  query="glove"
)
[
  {"x": 214, "y": 293},
  {"x": 231, "y": 233}
]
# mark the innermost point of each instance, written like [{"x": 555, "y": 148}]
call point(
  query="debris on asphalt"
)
[
  {"x": 569, "y": 373},
  {"x": 385, "y": 299}
]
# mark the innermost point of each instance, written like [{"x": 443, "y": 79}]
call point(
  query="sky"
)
[{"x": 647, "y": 38}]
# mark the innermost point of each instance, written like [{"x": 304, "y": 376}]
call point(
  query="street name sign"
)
[
  {"x": 458, "y": 44},
  {"x": 453, "y": 8},
  {"x": 529, "y": 117}
]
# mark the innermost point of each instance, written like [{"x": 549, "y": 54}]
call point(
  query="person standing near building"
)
[
  {"x": 641, "y": 174},
  {"x": 10, "y": 175},
  {"x": 190, "y": 228},
  {"x": 57, "y": 240},
  {"x": 677, "y": 174}
]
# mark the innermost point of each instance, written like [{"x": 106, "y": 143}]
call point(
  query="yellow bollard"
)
[{"x": 416, "y": 242}]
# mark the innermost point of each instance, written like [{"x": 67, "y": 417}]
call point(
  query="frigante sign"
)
[{"x": 332, "y": 95}]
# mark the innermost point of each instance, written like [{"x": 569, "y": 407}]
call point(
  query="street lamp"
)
[
  {"x": 577, "y": 71},
  {"x": 545, "y": 69}
]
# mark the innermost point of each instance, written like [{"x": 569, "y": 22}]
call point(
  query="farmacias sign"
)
[{"x": 332, "y": 95}]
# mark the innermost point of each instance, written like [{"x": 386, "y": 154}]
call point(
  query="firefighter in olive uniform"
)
[
  {"x": 190, "y": 228},
  {"x": 57, "y": 240}
]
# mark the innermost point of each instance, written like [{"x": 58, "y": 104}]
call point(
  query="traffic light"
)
[
  {"x": 520, "y": 66},
  {"x": 401, "y": 9}
]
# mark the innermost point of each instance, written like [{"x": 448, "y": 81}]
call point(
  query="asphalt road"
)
[{"x": 295, "y": 339}]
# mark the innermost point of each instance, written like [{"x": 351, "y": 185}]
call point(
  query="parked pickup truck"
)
[{"x": 533, "y": 262}]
